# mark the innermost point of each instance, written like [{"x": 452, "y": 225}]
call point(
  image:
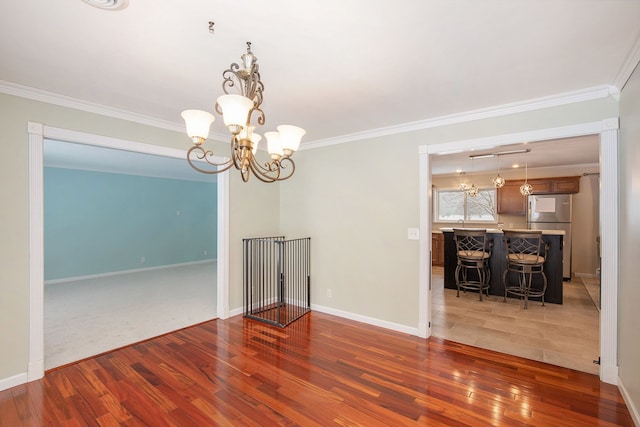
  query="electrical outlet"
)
[
  {"x": 329, "y": 293},
  {"x": 205, "y": 252},
  {"x": 143, "y": 259}
]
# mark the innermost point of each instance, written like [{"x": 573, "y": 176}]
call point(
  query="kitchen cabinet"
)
[
  {"x": 510, "y": 201},
  {"x": 566, "y": 185},
  {"x": 437, "y": 249},
  {"x": 560, "y": 185}
]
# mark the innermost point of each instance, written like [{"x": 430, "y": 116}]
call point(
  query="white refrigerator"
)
[{"x": 553, "y": 212}]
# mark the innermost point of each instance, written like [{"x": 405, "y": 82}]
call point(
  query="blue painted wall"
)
[{"x": 97, "y": 222}]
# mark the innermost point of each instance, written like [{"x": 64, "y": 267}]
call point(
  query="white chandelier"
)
[{"x": 237, "y": 111}]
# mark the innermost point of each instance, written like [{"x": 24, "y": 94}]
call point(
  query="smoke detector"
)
[{"x": 108, "y": 4}]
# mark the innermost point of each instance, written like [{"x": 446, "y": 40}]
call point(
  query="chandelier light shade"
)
[
  {"x": 290, "y": 137},
  {"x": 274, "y": 146},
  {"x": 198, "y": 123},
  {"x": 237, "y": 111},
  {"x": 247, "y": 133}
]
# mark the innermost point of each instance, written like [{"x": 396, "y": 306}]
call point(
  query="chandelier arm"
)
[
  {"x": 292, "y": 164},
  {"x": 270, "y": 174},
  {"x": 260, "y": 119},
  {"x": 236, "y": 153},
  {"x": 230, "y": 76},
  {"x": 274, "y": 167},
  {"x": 202, "y": 154},
  {"x": 245, "y": 174}
]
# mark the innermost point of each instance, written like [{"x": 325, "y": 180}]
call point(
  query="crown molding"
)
[
  {"x": 587, "y": 94},
  {"x": 15, "y": 89},
  {"x": 582, "y": 95},
  {"x": 630, "y": 64}
]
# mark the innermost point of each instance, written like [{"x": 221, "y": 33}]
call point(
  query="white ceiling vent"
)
[{"x": 108, "y": 4}]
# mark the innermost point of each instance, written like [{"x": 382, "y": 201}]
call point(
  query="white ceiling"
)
[
  {"x": 583, "y": 151},
  {"x": 61, "y": 154},
  {"x": 335, "y": 67}
]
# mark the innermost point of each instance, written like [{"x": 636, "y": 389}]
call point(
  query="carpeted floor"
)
[{"x": 88, "y": 317}]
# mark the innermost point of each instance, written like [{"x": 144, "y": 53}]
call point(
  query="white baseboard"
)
[
  {"x": 609, "y": 374},
  {"x": 36, "y": 370},
  {"x": 118, "y": 273},
  {"x": 589, "y": 275},
  {"x": 633, "y": 410},
  {"x": 365, "y": 319},
  {"x": 13, "y": 381},
  {"x": 236, "y": 311}
]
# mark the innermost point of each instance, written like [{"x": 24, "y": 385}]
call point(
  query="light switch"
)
[{"x": 413, "y": 234}]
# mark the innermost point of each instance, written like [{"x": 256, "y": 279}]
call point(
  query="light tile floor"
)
[{"x": 565, "y": 335}]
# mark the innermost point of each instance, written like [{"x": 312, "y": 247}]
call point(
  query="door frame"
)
[
  {"x": 608, "y": 131},
  {"x": 37, "y": 133}
]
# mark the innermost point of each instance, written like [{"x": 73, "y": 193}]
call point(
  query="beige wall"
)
[
  {"x": 357, "y": 200},
  {"x": 354, "y": 200},
  {"x": 585, "y": 225},
  {"x": 245, "y": 200},
  {"x": 629, "y": 291}
]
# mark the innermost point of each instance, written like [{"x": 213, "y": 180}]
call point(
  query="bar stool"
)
[
  {"x": 473, "y": 252},
  {"x": 526, "y": 252}
]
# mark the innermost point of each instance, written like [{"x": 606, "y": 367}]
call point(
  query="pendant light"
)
[
  {"x": 526, "y": 189},
  {"x": 498, "y": 181},
  {"x": 462, "y": 184},
  {"x": 473, "y": 190}
]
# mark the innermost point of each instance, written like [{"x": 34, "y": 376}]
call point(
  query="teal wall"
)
[{"x": 97, "y": 222}]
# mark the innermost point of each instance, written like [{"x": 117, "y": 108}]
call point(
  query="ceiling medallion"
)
[
  {"x": 108, "y": 4},
  {"x": 237, "y": 111}
]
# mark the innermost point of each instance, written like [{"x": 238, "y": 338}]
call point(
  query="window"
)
[{"x": 454, "y": 205}]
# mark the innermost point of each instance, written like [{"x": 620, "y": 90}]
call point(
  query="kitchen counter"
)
[
  {"x": 498, "y": 231},
  {"x": 498, "y": 263}
]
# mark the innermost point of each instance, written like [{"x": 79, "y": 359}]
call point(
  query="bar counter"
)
[{"x": 498, "y": 264}]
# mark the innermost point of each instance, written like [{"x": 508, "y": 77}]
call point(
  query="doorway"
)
[
  {"x": 607, "y": 130},
  {"x": 37, "y": 134},
  {"x": 129, "y": 248}
]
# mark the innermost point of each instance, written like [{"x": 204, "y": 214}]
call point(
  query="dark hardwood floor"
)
[{"x": 319, "y": 371}]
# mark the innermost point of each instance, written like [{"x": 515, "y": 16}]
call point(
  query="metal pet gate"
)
[{"x": 276, "y": 277}]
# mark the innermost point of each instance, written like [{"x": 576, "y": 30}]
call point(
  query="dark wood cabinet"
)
[
  {"x": 437, "y": 249},
  {"x": 560, "y": 185},
  {"x": 510, "y": 201},
  {"x": 566, "y": 185}
]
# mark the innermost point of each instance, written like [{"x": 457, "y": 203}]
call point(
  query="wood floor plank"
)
[{"x": 321, "y": 370}]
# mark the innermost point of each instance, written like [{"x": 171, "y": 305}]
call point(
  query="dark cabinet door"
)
[{"x": 510, "y": 201}]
